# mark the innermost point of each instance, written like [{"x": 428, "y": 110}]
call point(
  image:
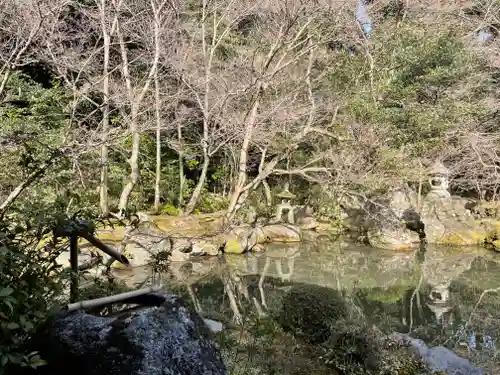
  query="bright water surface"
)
[{"x": 443, "y": 295}]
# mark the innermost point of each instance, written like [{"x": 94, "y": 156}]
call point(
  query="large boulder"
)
[
  {"x": 279, "y": 233},
  {"x": 381, "y": 220},
  {"x": 240, "y": 240},
  {"x": 384, "y": 222},
  {"x": 143, "y": 243},
  {"x": 245, "y": 238},
  {"x": 168, "y": 339},
  {"x": 448, "y": 221}
]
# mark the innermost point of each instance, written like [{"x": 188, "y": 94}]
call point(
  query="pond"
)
[{"x": 443, "y": 295}]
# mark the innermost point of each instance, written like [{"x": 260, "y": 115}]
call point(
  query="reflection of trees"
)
[{"x": 252, "y": 284}]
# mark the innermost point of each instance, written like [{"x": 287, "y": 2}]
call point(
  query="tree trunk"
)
[
  {"x": 158, "y": 146},
  {"x": 157, "y": 113},
  {"x": 199, "y": 186},
  {"x": 103, "y": 199},
  {"x": 181, "y": 165},
  {"x": 242, "y": 163},
  {"x": 135, "y": 102},
  {"x": 34, "y": 176},
  {"x": 133, "y": 162}
]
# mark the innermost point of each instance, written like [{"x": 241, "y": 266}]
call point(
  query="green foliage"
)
[
  {"x": 30, "y": 281},
  {"x": 416, "y": 90},
  {"x": 209, "y": 203},
  {"x": 309, "y": 312},
  {"x": 169, "y": 209}
]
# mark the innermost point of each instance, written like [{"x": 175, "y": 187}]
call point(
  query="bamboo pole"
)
[{"x": 111, "y": 299}]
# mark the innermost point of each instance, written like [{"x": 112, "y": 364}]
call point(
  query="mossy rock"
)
[
  {"x": 233, "y": 246},
  {"x": 463, "y": 238},
  {"x": 309, "y": 312}
]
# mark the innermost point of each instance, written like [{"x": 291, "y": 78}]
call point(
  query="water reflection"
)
[{"x": 431, "y": 291}]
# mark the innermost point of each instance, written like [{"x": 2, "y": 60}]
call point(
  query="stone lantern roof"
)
[
  {"x": 285, "y": 194},
  {"x": 438, "y": 169}
]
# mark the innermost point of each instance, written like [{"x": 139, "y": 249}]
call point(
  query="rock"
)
[
  {"x": 163, "y": 340},
  {"x": 307, "y": 223},
  {"x": 381, "y": 220},
  {"x": 141, "y": 243},
  {"x": 213, "y": 325},
  {"x": 279, "y": 233},
  {"x": 178, "y": 256},
  {"x": 144, "y": 217},
  {"x": 496, "y": 245},
  {"x": 182, "y": 245},
  {"x": 448, "y": 222},
  {"x": 85, "y": 255},
  {"x": 439, "y": 358},
  {"x": 396, "y": 237},
  {"x": 259, "y": 248},
  {"x": 240, "y": 240},
  {"x": 204, "y": 248}
]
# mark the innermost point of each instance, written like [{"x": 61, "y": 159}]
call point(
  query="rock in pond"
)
[
  {"x": 167, "y": 339},
  {"x": 279, "y": 233},
  {"x": 439, "y": 358}
]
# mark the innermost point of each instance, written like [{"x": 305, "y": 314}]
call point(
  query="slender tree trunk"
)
[
  {"x": 135, "y": 102},
  {"x": 181, "y": 165},
  {"x": 103, "y": 199},
  {"x": 5, "y": 79},
  {"x": 158, "y": 146},
  {"x": 199, "y": 186},
  {"x": 133, "y": 162},
  {"x": 158, "y": 118},
  {"x": 208, "y": 56},
  {"x": 32, "y": 177},
  {"x": 242, "y": 163}
]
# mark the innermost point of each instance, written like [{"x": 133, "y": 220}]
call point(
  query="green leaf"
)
[
  {"x": 12, "y": 326},
  {"x": 5, "y": 292}
]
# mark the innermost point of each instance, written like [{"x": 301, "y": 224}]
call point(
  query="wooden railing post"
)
[{"x": 73, "y": 229}]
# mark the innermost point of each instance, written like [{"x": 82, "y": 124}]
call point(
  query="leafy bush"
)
[
  {"x": 30, "y": 281},
  {"x": 169, "y": 209}
]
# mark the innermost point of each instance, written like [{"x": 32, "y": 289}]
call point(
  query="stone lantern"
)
[
  {"x": 439, "y": 180},
  {"x": 286, "y": 196}
]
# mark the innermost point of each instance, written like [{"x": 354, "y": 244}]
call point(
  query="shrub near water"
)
[{"x": 29, "y": 281}]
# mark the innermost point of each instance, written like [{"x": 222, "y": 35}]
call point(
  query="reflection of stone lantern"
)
[
  {"x": 439, "y": 180},
  {"x": 439, "y": 298},
  {"x": 286, "y": 196}
]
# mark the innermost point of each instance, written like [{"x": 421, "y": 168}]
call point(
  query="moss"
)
[
  {"x": 310, "y": 311},
  {"x": 233, "y": 246},
  {"x": 463, "y": 239},
  {"x": 388, "y": 296},
  {"x": 169, "y": 209}
]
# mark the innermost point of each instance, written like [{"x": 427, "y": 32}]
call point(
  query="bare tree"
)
[
  {"x": 135, "y": 99},
  {"x": 106, "y": 34},
  {"x": 216, "y": 23},
  {"x": 157, "y": 25},
  {"x": 21, "y": 25},
  {"x": 291, "y": 44}
]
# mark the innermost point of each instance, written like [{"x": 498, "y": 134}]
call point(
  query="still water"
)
[{"x": 443, "y": 295}]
